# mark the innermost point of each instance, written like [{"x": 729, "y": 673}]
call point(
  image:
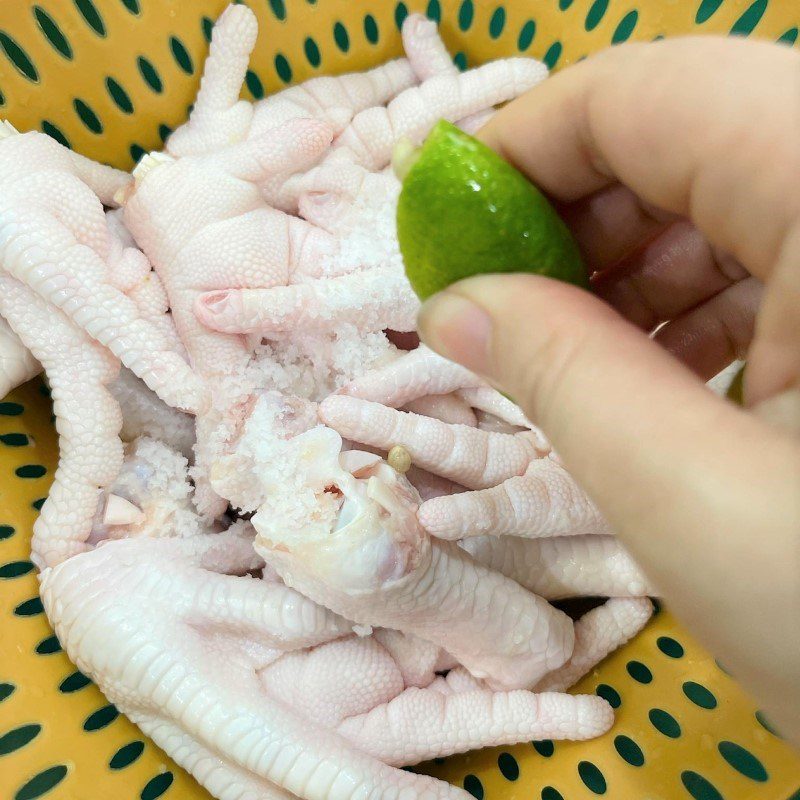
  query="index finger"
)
[{"x": 702, "y": 127}]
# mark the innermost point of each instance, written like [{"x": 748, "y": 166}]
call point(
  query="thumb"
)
[{"x": 684, "y": 477}]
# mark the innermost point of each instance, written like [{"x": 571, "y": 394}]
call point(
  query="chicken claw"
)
[
  {"x": 599, "y": 633},
  {"x": 55, "y": 239},
  {"x": 17, "y": 364},
  {"x": 87, "y": 419},
  {"x": 518, "y": 487},
  {"x": 563, "y": 566},
  {"x": 186, "y": 653},
  {"x": 361, "y": 551}
]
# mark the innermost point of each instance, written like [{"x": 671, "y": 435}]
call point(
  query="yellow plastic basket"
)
[{"x": 111, "y": 78}]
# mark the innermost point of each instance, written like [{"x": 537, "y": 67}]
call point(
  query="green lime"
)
[{"x": 463, "y": 211}]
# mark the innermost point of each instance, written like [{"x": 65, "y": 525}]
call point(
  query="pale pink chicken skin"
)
[
  {"x": 345, "y": 701},
  {"x": 354, "y": 686},
  {"x": 274, "y": 641},
  {"x": 143, "y": 286},
  {"x": 87, "y": 420},
  {"x": 54, "y": 238},
  {"x": 203, "y": 223},
  {"x": 145, "y": 414},
  {"x": 220, "y": 118},
  {"x": 58, "y": 248},
  {"x": 342, "y": 528},
  {"x": 563, "y": 566},
  {"x": 598, "y": 633},
  {"x": 518, "y": 487},
  {"x": 17, "y": 363}
]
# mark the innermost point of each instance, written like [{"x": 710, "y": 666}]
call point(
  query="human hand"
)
[{"x": 676, "y": 166}]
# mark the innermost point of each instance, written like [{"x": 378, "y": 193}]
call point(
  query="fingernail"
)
[{"x": 458, "y": 329}]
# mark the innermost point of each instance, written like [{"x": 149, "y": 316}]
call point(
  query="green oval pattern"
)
[
  {"x": 42, "y": 783},
  {"x": 207, "y": 24},
  {"x": 126, "y": 755},
  {"x": 7, "y": 531},
  {"x": 564, "y": 4},
  {"x": 18, "y": 738},
  {"x": 87, "y": 115},
  {"x": 629, "y": 751},
  {"x": 254, "y": 84},
  {"x": 15, "y": 569},
  {"x": 466, "y": 13},
  {"x": 526, "y": 34},
  {"x": 132, "y": 6},
  {"x": 473, "y": 785},
  {"x": 592, "y": 778},
  {"x": 181, "y": 55},
  {"x": 400, "y": 14},
  {"x": 37, "y": 504},
  {"x": 164, "y": 131},
  {"x": 48, "y": 646},
  {"x": 18, "y": 57},
  {"x": 51, "y": 31},
  {"x": 30, "y": 471},
  {"x": 746, "y": 24},
  {"x": 743, "y": 761},
  {"x": 283, "y": 68},
  {"x": 625, "y": 28},
  {"x": 434, "y": 11},
  {"x": 73, "y": 683},
  {"x": 698, "y": 787},
  {"x": 639, "y": 672},
  {"x": 312, "y": 52},
  {"x": 595, "y": 14},
  {"x": 29, "y": 608},
  {"x": 460, "y": 60},
  {"x": 552, "y": 55},
  {"x": 155, "y": 787},
  {"x": 14, "y": 439},
  {"x": 137, "y": 151},
  {"x": 278, "y": 9},
  {"x": 10, "y": 409},
  {"x": 670, "y": 647},
  {"x": 101, "y": 718},
  {"x": 508, "y": 766},
  {"x": 788, "y": 37},
  {"x": 549, "y": 793},
  {"x": 706, "y": 10},
  {"x": 497, "y": 22},
  {"x": 544, "y": 748},
  {"x": 120, "y": 97},
  {"x": 2, "y": 99},
  {"x": 6, "y": 690},
  {"x": 371, "y": 29},
  {"x": 150, "y": 74},
  {"x": 341, "y": 37},
  {"x": 664, "y": 722},
  {"x": 699, "y": 695},
  {"x": 92, "y": 16}
]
